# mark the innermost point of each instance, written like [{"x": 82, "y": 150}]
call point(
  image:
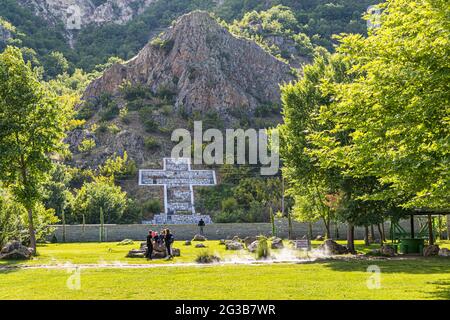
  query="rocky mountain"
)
[
  {"x": 204, "y": 66},
  {"x": 196, "y": 70},
  {"x": 87, "y": 11}
]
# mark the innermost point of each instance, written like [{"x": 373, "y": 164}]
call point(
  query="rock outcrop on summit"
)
[{"x": 203, "y": 65}]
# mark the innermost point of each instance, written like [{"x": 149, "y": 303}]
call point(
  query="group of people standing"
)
[{"x": 164, "y": 238}]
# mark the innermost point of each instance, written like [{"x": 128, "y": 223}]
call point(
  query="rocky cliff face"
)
[
  {"x": 204, "y": 66},
  {"x": 87, "y": 11}
]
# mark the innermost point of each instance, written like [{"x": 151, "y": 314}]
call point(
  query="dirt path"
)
[{"x": 119, "y": 265}]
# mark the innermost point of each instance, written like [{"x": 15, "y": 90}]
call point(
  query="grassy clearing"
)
[{"x": 400, "y": 279}]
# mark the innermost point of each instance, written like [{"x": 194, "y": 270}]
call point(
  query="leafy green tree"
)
[
  {"x": 56, "y": 64},
  {"x": 101, "y": 195},
  {"x": 57, "y": 193},
  {"x": 14, "y": 217},
  {"x": 32, "y": 126},
  {"x": 309, "y": 184},
  {"x": 323, "y": 189}
]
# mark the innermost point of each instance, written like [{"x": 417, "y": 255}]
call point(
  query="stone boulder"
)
[
  {"x": 187, "y": 243},
  {"x": 234, "y": 245},
  {"x": 277, "y": 243},
  {"x": 222, "y": 242},
  {"x": 134, "y": 253},
  {"x": 200, "y": 245},
  {"x": 430, "y": 251},
  {"x": 159, "y": 251},
  {"x": 387, "y": 251},
  {"x": 253, "y": 246},
  {"x": 444, "y": 252},
  {"x": 331, "y": 247},
  {"x": 199, "y": 237},
  {"x": 320, "y": 238},
  {"x": 236, "y": 239},
  {"x": 14, "y": 250},
  {"x": 249, "y": 240}
]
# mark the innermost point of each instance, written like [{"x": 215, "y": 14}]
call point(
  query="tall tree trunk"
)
[
  {"x": 366, "y": 236},
  {"x": 383, "y": 231},
  {"x": 351, "y": 238},
  {"x": 31, "y": 231},
  {"x": 430, "y": 230},
  {"x": 29, "y": 207},
  {"x": 326, "y": 223},
  {"x": 380, "y": 232},
  {"x": 448, "y": 227}
]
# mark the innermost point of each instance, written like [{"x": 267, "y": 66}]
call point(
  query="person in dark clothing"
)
[
  {"x": 201, "y": 225},
  {"x": 168, "y": 240},
  {"x": 149, "y": 251}
]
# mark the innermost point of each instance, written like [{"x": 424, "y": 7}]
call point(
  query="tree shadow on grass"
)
[
  {"x": 413, "y": 266},
  {"x": 9, "y": 266},
  {"x": 443, "y": 289}
]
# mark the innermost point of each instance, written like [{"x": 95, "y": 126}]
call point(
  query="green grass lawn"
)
[{"x": 414, "y": 278}]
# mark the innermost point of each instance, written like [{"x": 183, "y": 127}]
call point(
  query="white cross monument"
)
[{"x": 178, "y": 180}]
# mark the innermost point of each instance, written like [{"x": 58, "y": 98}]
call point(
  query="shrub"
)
[
  {"x": 266, "y": 110},
  {"x": 151, "y": 206},
  {"x": 136, "y": 104},
  {"x": 165, "y": 45},
  {"x": 87, "y": 145},
  {"x": 110, "y": 112},
  {"x": 86, "y": 111},
  {"x": 229, "y": 204},
  {"x": 205, "y": 256},
  {"x": 183, "y": 112},
  {"x": 262, "y": 251},
  {"x": 113, "y": 128},
  {"x": 123, "y": 115},
  {"x": 166, "y": 92},
  {"x": 167, "y": 109},
  {"x": 151, "y": 125},
  {"x": 131, "y": 92}
]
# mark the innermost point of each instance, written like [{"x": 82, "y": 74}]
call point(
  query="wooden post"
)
[
  {"x": 372, "y": 234},
  {"x": 430, "y": 230},
  {"x": 366, "y": 236}
]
